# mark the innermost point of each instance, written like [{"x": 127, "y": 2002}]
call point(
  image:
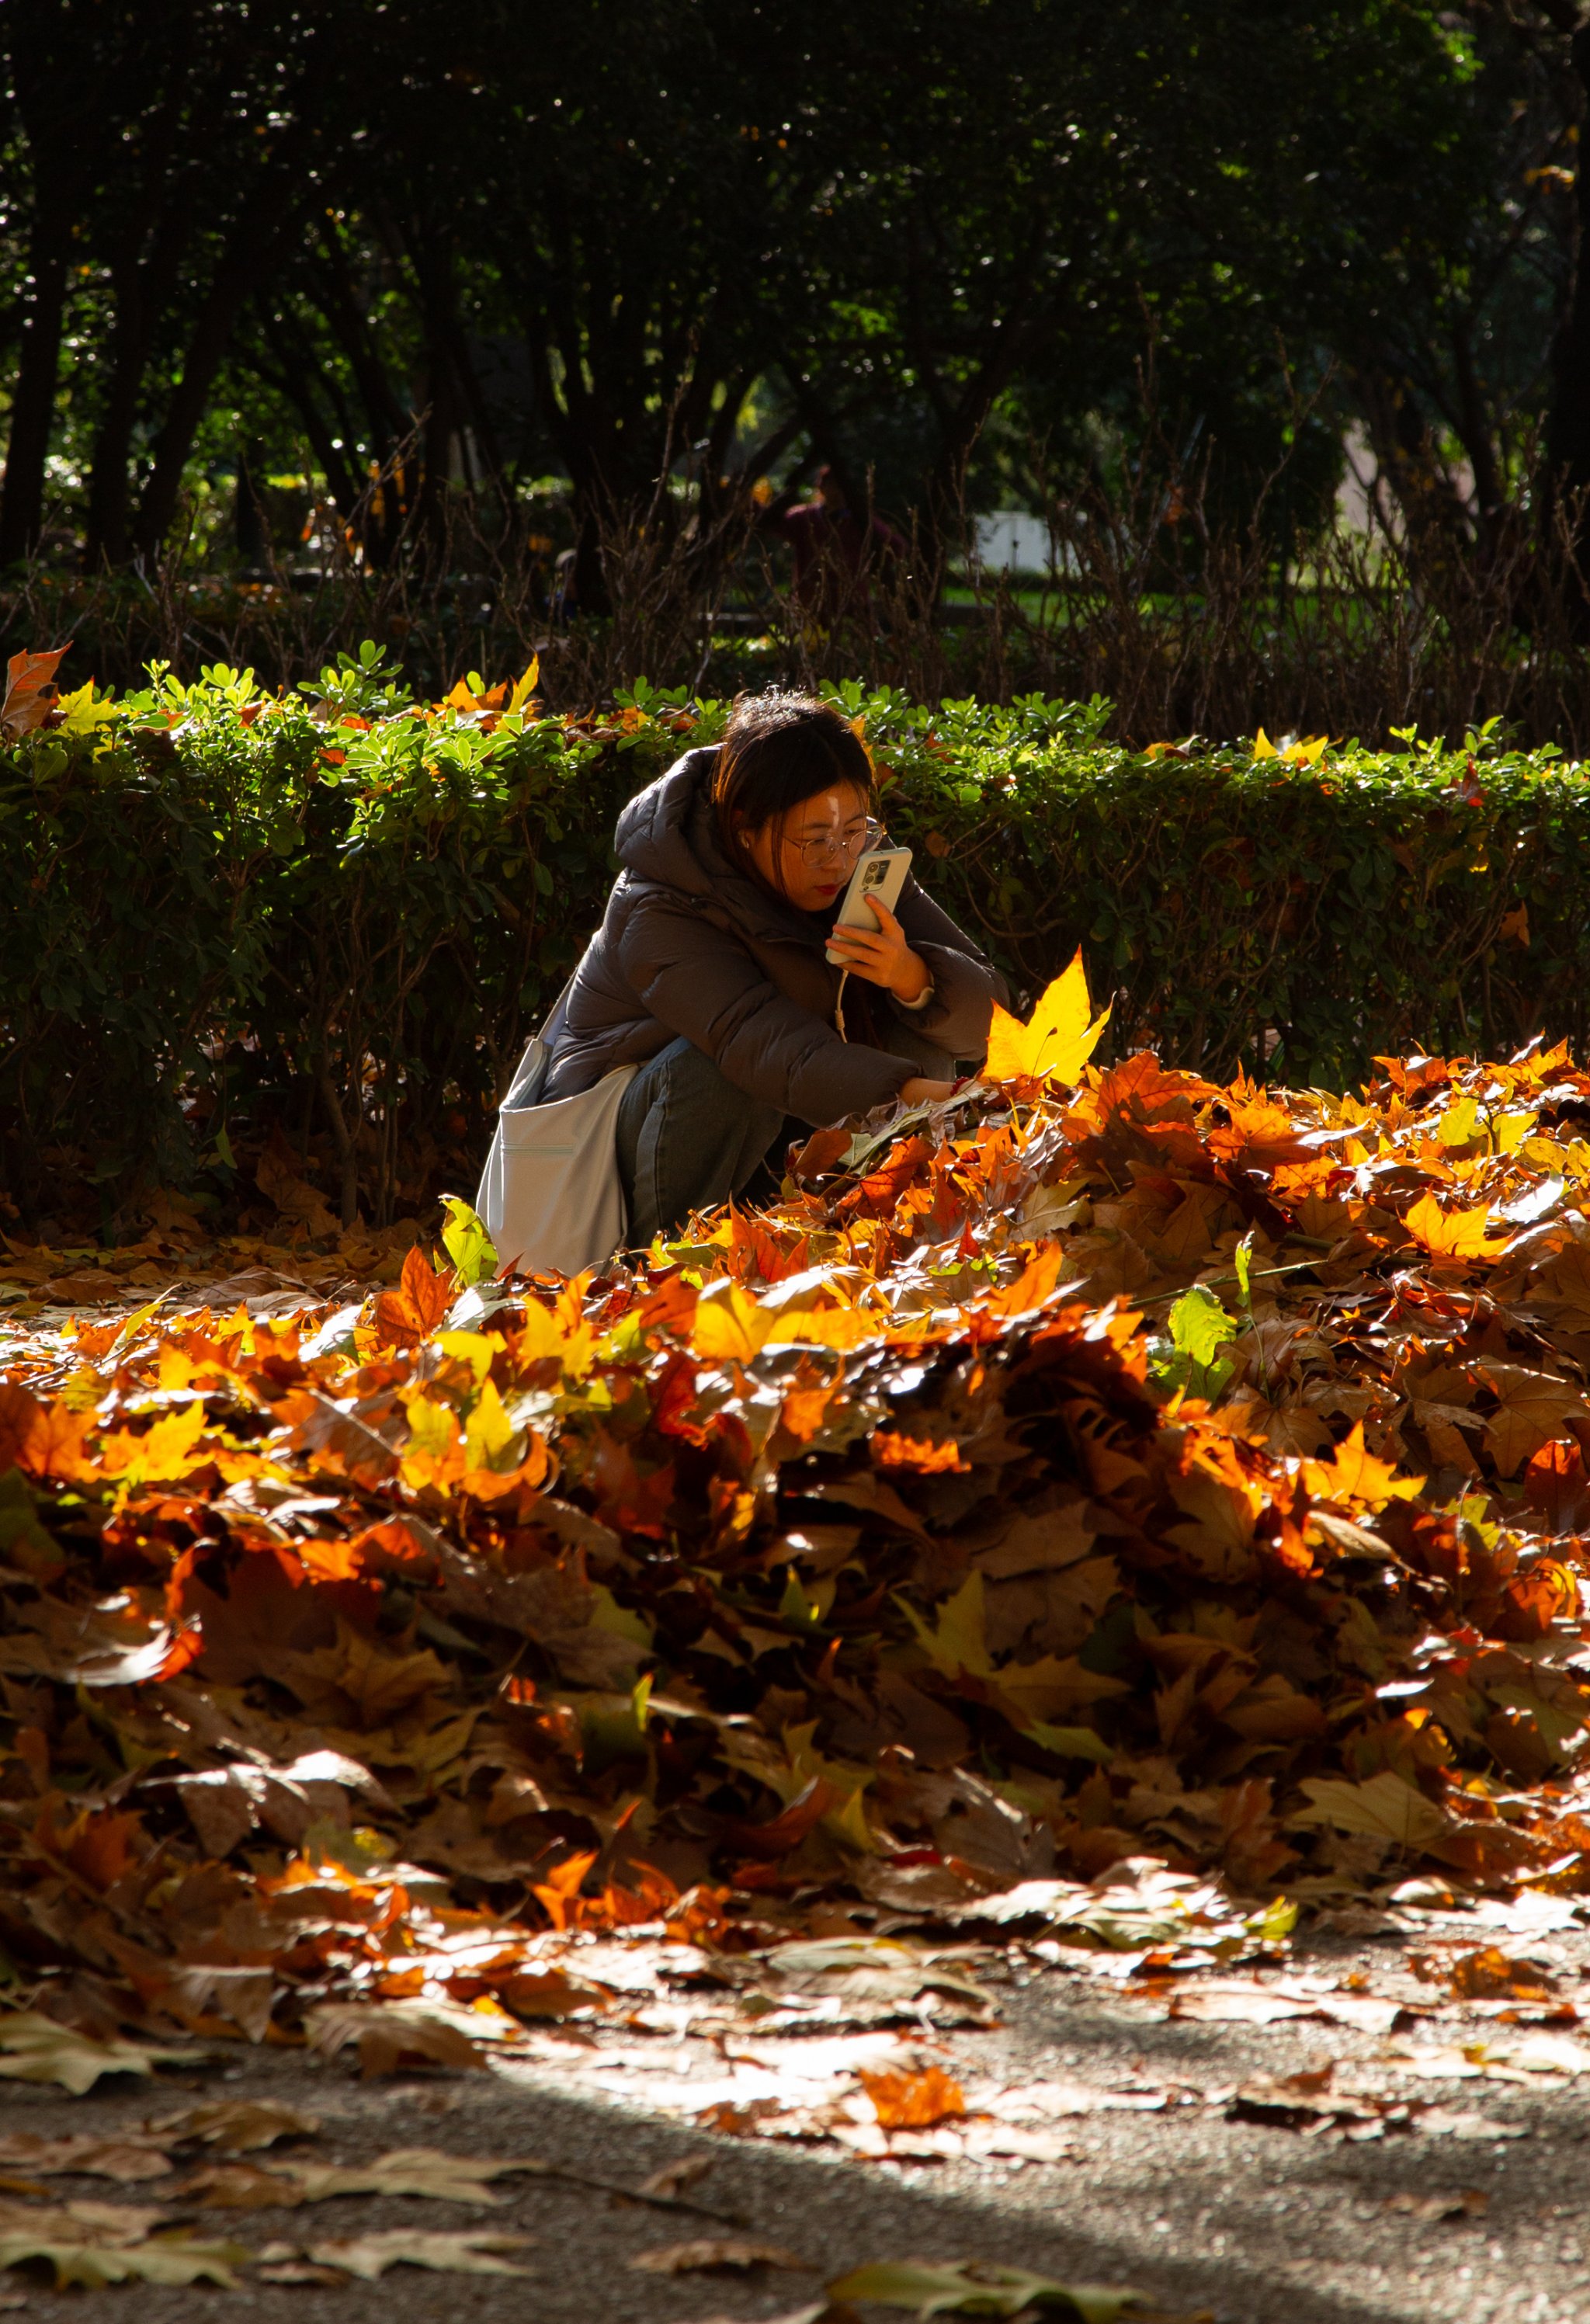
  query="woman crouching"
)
[{"x": 709, "y": 969}]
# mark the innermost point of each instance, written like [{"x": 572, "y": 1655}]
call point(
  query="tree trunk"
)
[
  {"x": 141, "y": 294},
  {"x": 297, "y": 379},
  {"x": 33, "y": 401},
  {"x": 252, "y": 532},
  {"x": 201, "y": 360},
  {"x": 1567, "y": 430},
  {"x": 1440, "y": 530},
  {"x": 245, "y": 267}
]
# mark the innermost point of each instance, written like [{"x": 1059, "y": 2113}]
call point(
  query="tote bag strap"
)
[{"x": 524, "y": 1088}]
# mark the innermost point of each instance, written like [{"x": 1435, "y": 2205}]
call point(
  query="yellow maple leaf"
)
[
  {"x": 1306, "y": 753},
  {"x": 433, "y": 1426},
  {"x": 825, "y": 1327},
  {"x": 732, "y": 1325},
  {"x": 1453, "y": 1234},
  {"x": 167, "y": 1450},
  {"x": 729, "y": 1325},
  {"x": 1057, "y": 1040},
  {"x": 1355, "y": 1475},
  {"x": 560, "y": 1330},
  {"x": 475, "y": 1348},
  {"x": 957, "y": 1642},
  {"x": 489, "y": 1437},
  {"x": 527, "y": 685},
  {"x": 82, "y": 711}
]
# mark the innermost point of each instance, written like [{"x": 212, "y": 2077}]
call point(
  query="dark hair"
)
[{"x": 779, "y": 750}]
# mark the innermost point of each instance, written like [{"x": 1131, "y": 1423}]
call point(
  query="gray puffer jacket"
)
[{"x": 691, "y": 944}]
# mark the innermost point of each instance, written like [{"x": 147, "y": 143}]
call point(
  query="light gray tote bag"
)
[{"x": 550, "y": 1194}]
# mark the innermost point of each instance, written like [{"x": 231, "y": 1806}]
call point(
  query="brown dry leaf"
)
[
  {"x": 1303, "y": 2099},
  {"x": 127, "y": 2160},
  {"x": 1463, "y": 2122},
  {"x": 1502, "y": 2061},
  {"x": 370, "y": 2256},
  {"x": 99, "y": 2244},
  {"x": 1235, "y": 2001},
  {"x": 355, "y": 1682},
  {"x": 1487, "y": 1974},
  {"x": 673, "y": 2178},
  {"x": 237, "y": 2187},
  {"x": 412, "y": 2171},
  {"x": 1050, "y": 2100},
  {"x": 392, "y": 2034},
  {"x": 1471, "y": 2204},
  {"x": 239, "y": 2125},
  {"x": 279, "y": 1180},
  {"x": 1387, "y": 1807},
  {"x": 38, "y": 2048},
  {"x": 710, "y": 2252}
]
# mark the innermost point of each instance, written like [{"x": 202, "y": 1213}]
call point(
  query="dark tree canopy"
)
[{"x": 932, "y": 243}]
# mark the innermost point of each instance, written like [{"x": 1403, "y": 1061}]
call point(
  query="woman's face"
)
[{"x": 812, "y": 858}]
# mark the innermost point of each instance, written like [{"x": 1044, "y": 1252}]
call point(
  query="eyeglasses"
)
[{"x": 839, "y": 847}]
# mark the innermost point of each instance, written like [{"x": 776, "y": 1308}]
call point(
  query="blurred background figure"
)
[{"x": 837, "y": 553}]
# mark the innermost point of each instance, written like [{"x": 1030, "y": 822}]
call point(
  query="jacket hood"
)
[{"x": 669, "y": 836}]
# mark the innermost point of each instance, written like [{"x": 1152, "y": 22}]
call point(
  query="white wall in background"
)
[{"x": 1012, "y": 542}]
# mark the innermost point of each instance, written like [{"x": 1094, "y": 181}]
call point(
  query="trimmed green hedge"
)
[{"x": 330, "y": 917}]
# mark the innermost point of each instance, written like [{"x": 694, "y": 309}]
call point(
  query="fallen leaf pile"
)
[
  {"x": 184, "y": 1264},
  {"x": 1102, "y": 1466}
]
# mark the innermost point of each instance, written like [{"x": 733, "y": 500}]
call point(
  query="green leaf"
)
[
  {"x": 467, "y": 1244},
  {"x": 975, "y": 2288},
  {"x": 1199, "y": 1324},
  {"x": 1070, "y": 1742},
  {"x": 801, "y": 1612},
  {"x": 1275, "y": 1923},
  {"x": 1191, "y": 1361},
  {"x": 1242, "y": 1258}
]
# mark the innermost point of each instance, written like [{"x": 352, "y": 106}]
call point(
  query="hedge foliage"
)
[{"x": 331, "y": 916}]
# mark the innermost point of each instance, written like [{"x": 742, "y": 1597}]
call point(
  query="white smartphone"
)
[{"x": 881, "y": 873}]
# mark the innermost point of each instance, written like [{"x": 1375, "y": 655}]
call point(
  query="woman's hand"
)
[
  {"x": 918, "y": 1092},
  {"x": 882, "y": 955}
]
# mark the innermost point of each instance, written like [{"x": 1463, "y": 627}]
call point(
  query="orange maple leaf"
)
[
  {"x": 423, "y": 1296},
  {"x": 914, "y": 2101},
  {"x": 1460, "y": 1235},
  {"x": 30, "y": 692},
  {"x": 892, "y": 1450},
  {"x": 1355, "y": 1475},
  {"x": 558, "y": 1894}
]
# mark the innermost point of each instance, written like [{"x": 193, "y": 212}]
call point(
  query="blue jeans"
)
[{"x": 686, "y": 1138}]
